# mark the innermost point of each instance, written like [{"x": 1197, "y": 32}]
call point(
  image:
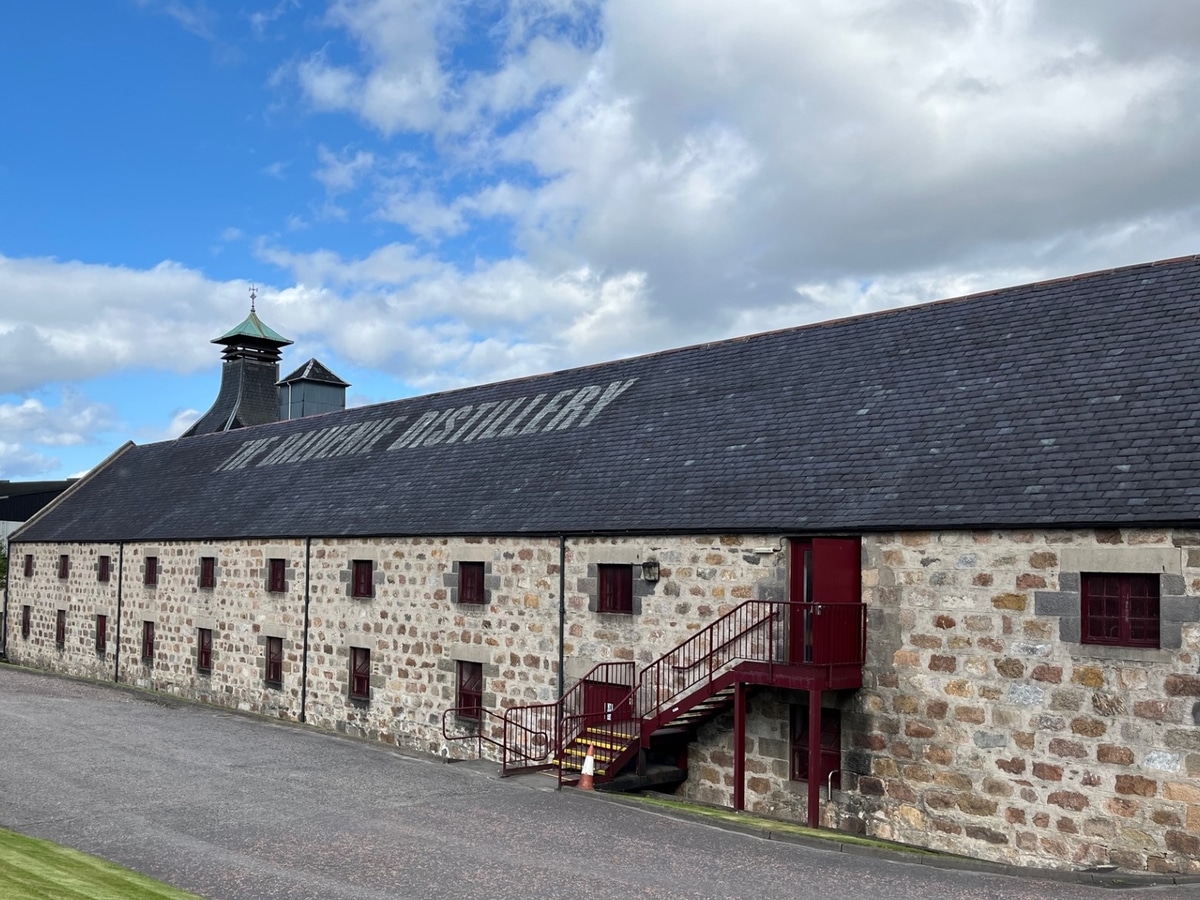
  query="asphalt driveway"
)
[{"x": 235, "y": 807}]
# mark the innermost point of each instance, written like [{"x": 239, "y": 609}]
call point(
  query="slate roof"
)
[
  {"x": 247, "y": 396},
  {"x": 1070, "y": 402},
  {"x": 314, "y": 370}
]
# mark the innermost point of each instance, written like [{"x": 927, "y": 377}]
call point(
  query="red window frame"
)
[
  {"x": 151, "y": 577},
  {"x": 470, "y": 583},
  {"x": 274, "y": 662},
  {"x": 469, "y": 699},
  {"x": 147, "y": 641},
  {"x": 28, "y": 565},
  {"x": 614, "y": 589},
  {"x": 360, "y": 673},
  {"x": 105, "y": 566},
  {"x": 60, "y": 629},
  {"x": 277, "y": 576},
  {"x": 204, "y": 650},
  {"x": 26, "y": 620},
  {"x": 208, "y": 571},
  {"x": 364, "y": 578},
  {"x": 101, "y": 632},
  {"x": 64, "y": 565},
  {"x": 1120, "y": 610},
  {"x": 831, "y": 745}
]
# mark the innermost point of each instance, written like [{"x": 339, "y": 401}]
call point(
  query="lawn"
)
[{"x": 39, "y": 870}]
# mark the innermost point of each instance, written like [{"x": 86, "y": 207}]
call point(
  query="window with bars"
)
[
  {"x": 64, "y": 565},
  {"x": 204, "y": 650},
  {"x": 470, "y": 583},
  {"x": 274, "y": 662},
  {"x": 151, "y": 577},
  {"x": 28, "y": 565},
  {"x": 103, "y": 570},
  {"x": 1120, "y": 610},
  {"x": 208, "y": 571},
  {"x": 147, "y": 642},
  {"x": 469, "y": 699},
  {"x": 101, "y": 632},
  {"x": 277, "y": 576},
  {"x": 26, "y": 621},
  {"x": 364, "y": 580},
  {"x": 360, "y": 673},
  {"x": 614, "y": 586},
  {"x": 60, "y": 629}
]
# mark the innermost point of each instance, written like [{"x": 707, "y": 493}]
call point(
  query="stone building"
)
[{"x": 931, "y": 574}]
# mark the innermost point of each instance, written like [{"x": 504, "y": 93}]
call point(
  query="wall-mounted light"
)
[{"x": 650, "y": 571}]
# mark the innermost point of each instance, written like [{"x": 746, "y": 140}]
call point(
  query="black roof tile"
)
[{"x": 1009, "y": 408}]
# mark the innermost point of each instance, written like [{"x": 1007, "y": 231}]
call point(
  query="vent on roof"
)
[{"x": 310, "y": 390}]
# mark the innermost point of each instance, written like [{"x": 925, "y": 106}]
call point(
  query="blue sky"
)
[{"x": 431, "y": 194}]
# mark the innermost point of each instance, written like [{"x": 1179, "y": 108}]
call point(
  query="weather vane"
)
[{"x": 253, "y": 296}]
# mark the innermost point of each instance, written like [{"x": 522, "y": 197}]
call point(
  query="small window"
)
[
  {"x": 148, "y": 642},
  {"x": 101, "y": 633},
  {"x": 277, "y": 576},
  {"x": 470, "y": 689},
  {"x": 28, "y": 565},
  {"x": 64, "y": 565},
  {"x": 204, "y": 650},
  {"x": 831, "y": 745},
  {"x": 151, "y": 570},
  {"x": 102, "y": 573},
  {"x": 360, "y": 673},
  {"x": 60, "y": 629},
  {"x": 470, "y": 583},
  {"x": 364, "y": 582},
  {"x": 1120, "y": 610},
  {"x": 615, "y": 589},
  {"x": 274, "y": 662},
  {"x": 208, "y": 571},
  {"x": 26, "y": 621}
]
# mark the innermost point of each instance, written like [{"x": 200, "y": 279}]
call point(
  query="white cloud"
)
[
  {"x": 342, "y": 172},
  {"x": 16, "y": 462}
]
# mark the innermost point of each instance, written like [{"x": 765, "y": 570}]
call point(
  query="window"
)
[
  {"x": 101, "y": 633},
  {"x": 28, "y": 565},
  {"x": 277, "y": 576},
  {"x": 364, "y": 570},
  {"x": 470, "y": 690},
  {"x": 26, "y": 616},
  {"x": 470, "y": 583},
  {"x": 831, "y": 745},
  {"x": 1120, "y": 610},
  {"x": 148, "y": 642},
  {"x": 64, "y": 565},
  {"x": 60, "y": 629},
  {"x": 208, "y": 571},
  {"x": 103, "y": 571},
  {"x": 204, "y": 650},
  {"x": 360, "y": 673},
  {"x": 614, "y": 589},
  {"x": 151, "y": 570},
  {"x": 275, "y": 662}
]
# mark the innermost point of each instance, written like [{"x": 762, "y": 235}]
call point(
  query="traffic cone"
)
[{"x": 589, "y": 769}]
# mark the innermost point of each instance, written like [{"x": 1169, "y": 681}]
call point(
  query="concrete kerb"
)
[{"x": 762, "y": 827}]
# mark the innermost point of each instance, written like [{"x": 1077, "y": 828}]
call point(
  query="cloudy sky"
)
[{"x": 432, "y": 193}]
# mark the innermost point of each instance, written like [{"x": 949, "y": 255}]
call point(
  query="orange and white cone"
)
[{"x": 586, "y": 781}]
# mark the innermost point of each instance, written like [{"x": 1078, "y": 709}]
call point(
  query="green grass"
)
[{"x": 31, "y": 869}]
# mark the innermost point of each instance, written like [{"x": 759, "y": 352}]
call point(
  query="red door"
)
[
  {"x": 824, "y": 571},
  {"x": 609, "y": 700}
]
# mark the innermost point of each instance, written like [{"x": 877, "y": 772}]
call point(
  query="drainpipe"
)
[
  {"x": 562, "y": 610},
  {"x": 120, "y": 585},
  {"x": 307, "y": 597},
  {"x": 4, "y": 615}
]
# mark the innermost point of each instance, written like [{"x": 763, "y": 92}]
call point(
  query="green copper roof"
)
[{"x": 252, "y": 327}]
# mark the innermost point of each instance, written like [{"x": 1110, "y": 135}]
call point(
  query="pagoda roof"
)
[{"x": 252, "y": 327}]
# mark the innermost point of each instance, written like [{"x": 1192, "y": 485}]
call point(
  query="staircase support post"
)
[
  {"x": 814, "y": 758},
  {"x": 739, "y": 746}
]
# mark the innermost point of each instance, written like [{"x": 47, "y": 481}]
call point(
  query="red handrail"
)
[{"x": 534, "y": 745}]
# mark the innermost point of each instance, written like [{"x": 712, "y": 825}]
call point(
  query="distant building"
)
[
  {"x": 931, "y": 575},
  {"x": 19, "y": 500}
]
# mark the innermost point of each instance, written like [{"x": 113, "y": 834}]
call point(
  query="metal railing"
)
[{"x": 521, "y": 738}]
